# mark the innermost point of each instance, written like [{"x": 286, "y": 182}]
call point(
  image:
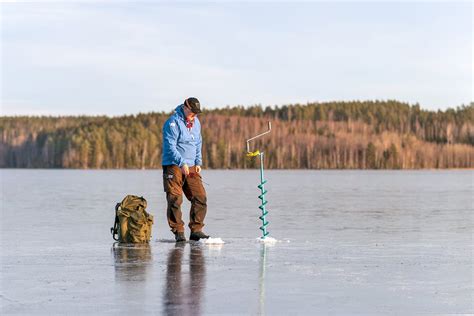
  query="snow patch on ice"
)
[
  {"x": 213, "y": 241},
  {"x": 268, "y": 240}
]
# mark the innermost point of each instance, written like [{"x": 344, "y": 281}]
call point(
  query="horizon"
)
[
  {"x": 224, "y": 107},
  {"x": 148, "y": 57}
]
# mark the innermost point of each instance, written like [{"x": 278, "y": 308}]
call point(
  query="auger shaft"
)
[{"x": 261, "y": 186}]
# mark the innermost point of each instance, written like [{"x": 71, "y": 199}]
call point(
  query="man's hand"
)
[
  {"x": 185, "y": 169},
  {"x": 198, "y": 169}
]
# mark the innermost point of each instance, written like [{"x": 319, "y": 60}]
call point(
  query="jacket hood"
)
[{"x": 179, "y": 111}]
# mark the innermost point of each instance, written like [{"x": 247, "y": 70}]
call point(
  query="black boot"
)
[
  {"x": 179, "y": 236},
  {"x": 198, "y": 235}
]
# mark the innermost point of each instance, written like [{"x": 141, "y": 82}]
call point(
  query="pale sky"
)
[{"x": 103, "y": 57}]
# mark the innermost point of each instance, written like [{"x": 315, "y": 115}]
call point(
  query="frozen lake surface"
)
[{"x": 350, "y": 242}]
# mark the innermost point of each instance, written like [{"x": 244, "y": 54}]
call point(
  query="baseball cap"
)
[{"x": 193, "y": 104}]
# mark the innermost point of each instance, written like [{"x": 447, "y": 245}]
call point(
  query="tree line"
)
[{"x": 329, "y": 135}]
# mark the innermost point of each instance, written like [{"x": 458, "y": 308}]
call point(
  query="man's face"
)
[{"x": 188, "y": 113}]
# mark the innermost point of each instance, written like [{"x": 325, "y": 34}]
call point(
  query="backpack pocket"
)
[{"x": 139, "y": 227}]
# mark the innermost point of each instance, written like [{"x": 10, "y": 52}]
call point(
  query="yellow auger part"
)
[{"x": 253, "y": 154}]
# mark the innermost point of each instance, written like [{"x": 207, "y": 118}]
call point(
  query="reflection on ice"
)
[
  {"x": 261, "y": 279},
  {"x": 183, "y": 297},
  {"x": 131, "y": 261}
]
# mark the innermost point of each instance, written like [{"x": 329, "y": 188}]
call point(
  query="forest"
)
[{"x": 323, "y": 135}]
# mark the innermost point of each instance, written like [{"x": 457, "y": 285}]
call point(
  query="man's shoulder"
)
[{"x": 172, "y": 120}]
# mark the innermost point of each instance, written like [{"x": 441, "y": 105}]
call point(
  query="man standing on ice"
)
[{"x": 182, "y": 160}]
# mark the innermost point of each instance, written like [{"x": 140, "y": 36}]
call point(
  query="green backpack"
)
[{"x": 132, "y": 223}]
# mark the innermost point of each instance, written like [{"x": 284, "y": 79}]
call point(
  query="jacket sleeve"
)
[
  {"x": 198, "y": 160},
  {"x": 170, "y": 139}
]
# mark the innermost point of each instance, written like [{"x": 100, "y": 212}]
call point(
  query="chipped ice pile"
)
[
  {"x": 213, "y": 241},
  {"x": 268, "y": 240}
]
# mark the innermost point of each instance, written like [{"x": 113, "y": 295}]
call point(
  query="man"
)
[{"x": 182, "y": 160}]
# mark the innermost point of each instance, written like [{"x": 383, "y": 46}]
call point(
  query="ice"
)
[{"x": 362, "y": 242}]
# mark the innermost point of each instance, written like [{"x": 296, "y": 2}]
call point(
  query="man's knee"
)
[
  {"x": 174, "y": 200},
  {"x": 200, "y": 200}
]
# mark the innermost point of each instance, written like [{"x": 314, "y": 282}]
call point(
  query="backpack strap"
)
[
  {"x": 114, "y": 230},
  {"x": 144, "y": 203}
]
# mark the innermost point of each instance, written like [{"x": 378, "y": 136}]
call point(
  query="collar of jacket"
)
[{"x": 180, "y": 112}]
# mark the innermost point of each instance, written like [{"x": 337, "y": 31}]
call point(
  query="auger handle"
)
[{"x": 259, "y": 135}]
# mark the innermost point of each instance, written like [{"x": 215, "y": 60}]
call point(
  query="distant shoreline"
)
[
  {"x": 358, "y": 135},
  {"x": 246, "y": 169}
]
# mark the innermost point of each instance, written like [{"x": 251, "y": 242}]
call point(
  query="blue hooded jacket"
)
[{"x": 181, "y": 145}]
